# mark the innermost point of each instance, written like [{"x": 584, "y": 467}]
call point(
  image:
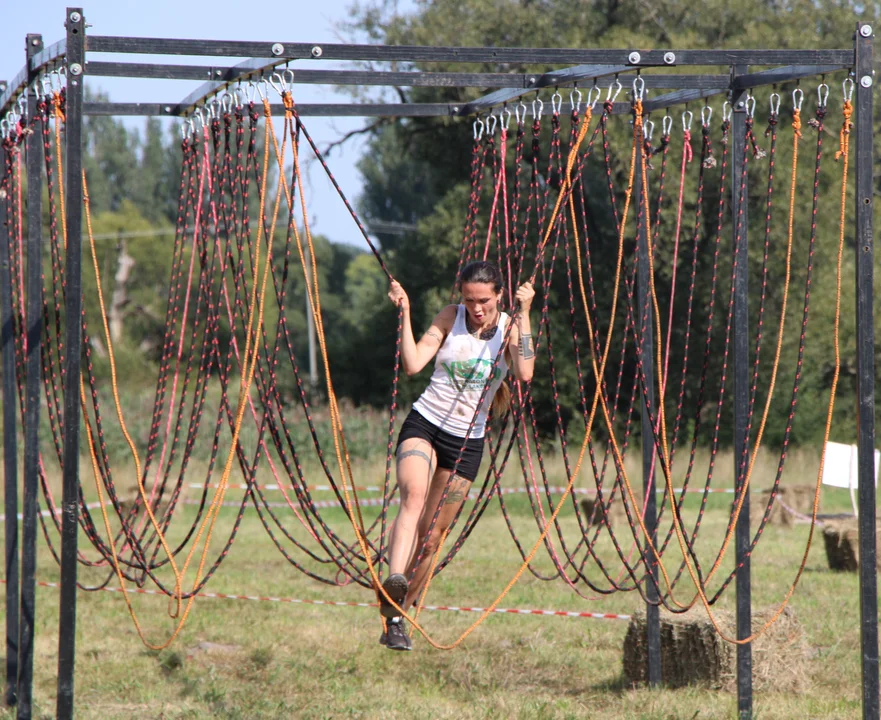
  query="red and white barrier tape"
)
[{"x": 336, "y": 603}]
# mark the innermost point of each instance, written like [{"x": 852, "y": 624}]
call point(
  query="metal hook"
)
[
  {"x": 617, "y": 87},
  {"x": 520, "y": 113},
  {"x": 648, "y": 129},
  {"x": 491, "y": 128},
  {"x": 288, "y": 77},
  {"x": 261, "y": 88},
  {"x": 666, "y": 126},
  {"x": 706, "y": 115},
  {"x": 726, "y": 111},
  {"x": 277, "y": 83},
  {"x": 750, "y": 106},
  {"x": 541, "y": 105},
  {"x": 847, "y": 89},
  {"x": 226, "y": 102},
  {"x": 638, "y": 88},
  {"x": 822, "y": 94},
  {"x": 556, "y": 102},
  {"x": 575, "y": 99},
  {"x": 200, "y": 114},
  {"x": 478, "y": 134},
  {"x": 798, "y": 97},
  {"x": 687, "y": 118},
  {"x": 506, "y": 114},
  {"x": 775, "y": 103},
  {"x": 591, "y": 100}
]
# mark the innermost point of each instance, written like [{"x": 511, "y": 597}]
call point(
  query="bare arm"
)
[
  {"x": 521, "y": 350},
  {"x": 416, "y": 355}
]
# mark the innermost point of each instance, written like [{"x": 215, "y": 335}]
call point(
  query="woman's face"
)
[{"x": 481, "y": 301}]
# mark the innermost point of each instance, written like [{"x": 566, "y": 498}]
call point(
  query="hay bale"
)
[
  {"x": 132, "y": 498},
  {"x": 693, "y": 653},
  {"x": 593, "y": 511},
  {"x": 799, "y": 498},
  {"x": 842, "y": 541}
]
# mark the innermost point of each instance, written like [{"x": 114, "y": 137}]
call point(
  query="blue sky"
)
[{"x": 294, "y": 21}]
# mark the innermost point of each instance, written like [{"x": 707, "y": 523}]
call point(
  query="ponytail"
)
[{"x": 501, "y": 402}]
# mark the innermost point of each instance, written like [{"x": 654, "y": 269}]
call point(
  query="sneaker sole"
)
[
  {"x": 396, "y": 587},
  {"x": 406, "y": 648}
]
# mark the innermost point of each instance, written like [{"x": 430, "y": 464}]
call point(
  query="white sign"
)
[{"x": 840, "y": 467}]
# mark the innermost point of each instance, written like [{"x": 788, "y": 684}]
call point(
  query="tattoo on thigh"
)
[
  {"x": 458, "y": 491},
  {"x": 417, "y": 453}
]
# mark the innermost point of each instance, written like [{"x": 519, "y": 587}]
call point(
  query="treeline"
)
[{"x": 416, "y": 175}]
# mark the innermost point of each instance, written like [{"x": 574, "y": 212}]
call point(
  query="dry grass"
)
[{"x": 239, "y": 659}]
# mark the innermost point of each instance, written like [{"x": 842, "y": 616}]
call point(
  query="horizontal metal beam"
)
[
  {"x": 551, "y": 79},
  {"x": 783, "y": 74},
  {"x": 744, "y": 82},
  {"x": 229, "y": 74},
  {"x": 47, "y": 59},
  {"x": 408, "y": 53},
  {"x": 315, "y": 109}
]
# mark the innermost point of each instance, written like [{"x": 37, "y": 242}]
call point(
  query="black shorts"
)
[{"x": 445, "y": 445}]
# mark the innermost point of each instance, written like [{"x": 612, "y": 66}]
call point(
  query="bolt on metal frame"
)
[{"x": 74, "y": 55}]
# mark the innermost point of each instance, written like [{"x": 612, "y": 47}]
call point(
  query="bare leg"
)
[
  {"x": 457, "y": 494},
  {"x": 416, "y": 460}
]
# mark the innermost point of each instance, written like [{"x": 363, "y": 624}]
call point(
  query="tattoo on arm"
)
[
  {"x": 526, "y": 348},
  {"x": 417, "y": 453},
  {"x": 436, "y": 335}
]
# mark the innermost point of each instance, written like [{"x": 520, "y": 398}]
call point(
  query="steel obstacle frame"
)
[{"x": 74, "y": 53}]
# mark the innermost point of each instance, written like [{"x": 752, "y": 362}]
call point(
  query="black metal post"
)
[
  {"x": 76, "y": 30},
  {"x": 740, "y": 214},
  {"x": 866, "y": 372},
  {"x": 34, "y": 333},
  {"x": 10, "y": 456},
  {"x": 652, "y": 612}
]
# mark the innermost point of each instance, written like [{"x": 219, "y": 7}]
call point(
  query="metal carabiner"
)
[
  {"x": 591, "y": 100},
  {"x": 575, "y": 99},
  {"x": 687, "y": 118},
  {"x": 726, "y": 111},
  {"x": 638, "y": 88},
  {"x": 478, "y": 134},
  {"x": 775, "y": 103},
  {"x": 226, "y": 102},
  {"x": 261, "y": 89},
  {"x": 288, "y": 78},
  {"x": 798, "y": 97},
  {"x": 251, "y": 92},
  {"x": 648, "y": 129},
  {"x": 847, "y": 89},
  {"x": 617, "y": 87},
  {"x": 822, "y": 94},
  {"x": 541, "y": 106},
  {"x": 4, "y": 128},
  {"x": 46, "y": 85},
  {"x": 506, "y": 114},
  {"x": 666, "y": 126},
  {"x": 520, "y": 113},
  {"x": 556, "y": 102},
  {"x": 706, "y": 115},
  {"x": 22, "y": 107},
  {"x": 750, "y": 106},
  {"x": 277, "y": 83},
  {"x": 491, "y": 128}
]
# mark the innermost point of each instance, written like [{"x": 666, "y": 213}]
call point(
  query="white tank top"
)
[{"x": 461, "y": 371}]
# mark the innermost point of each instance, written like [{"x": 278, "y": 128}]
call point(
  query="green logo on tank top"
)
[{"x": 468, "y": 374}]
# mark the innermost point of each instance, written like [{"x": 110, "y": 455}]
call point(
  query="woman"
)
[{"x": 465, "y": 339}]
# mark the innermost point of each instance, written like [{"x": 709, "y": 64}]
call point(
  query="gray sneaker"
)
[
  {"x": 396, "y": 586},
  {"x": 396, "y": 637}
]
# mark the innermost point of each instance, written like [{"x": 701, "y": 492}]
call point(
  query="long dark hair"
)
[{"x": 481, "y": 271}]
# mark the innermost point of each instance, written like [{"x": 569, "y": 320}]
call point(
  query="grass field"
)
[{"x": 249, "y": 659}]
